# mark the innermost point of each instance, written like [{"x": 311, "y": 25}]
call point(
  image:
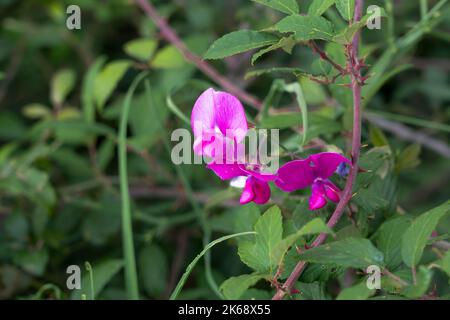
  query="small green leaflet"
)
[
  {"x": 61, "y": 85},
  {"x": 234, "y": 287},
  {"x": 318, "y": 7},
  {"x": 416, "y": 236},
  {"x": 141, "y": 49},
  {"x": 349, "y": 252},
  {"x": 285, "y": 6},
  {"x": 346, "y": 8},
  {"x": 107, "y": 80},
  {"x": 357, "y": 292},
  {"x": 286, "y": 43},
  {"x": 307, "y": 27},
  {"x": 239, "y": 41}
]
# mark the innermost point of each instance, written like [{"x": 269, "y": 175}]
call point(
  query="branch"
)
[
  {"x": 170, "y": 35},
  {"x": 356, "y": 145}
]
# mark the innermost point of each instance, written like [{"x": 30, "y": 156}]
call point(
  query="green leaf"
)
[
  {"x": 346, "y": 8},
  {"x": 32, "y": 261},
  {"x": 239, "y": 41},
  {"x": 168, "y": 58},
  {"x": 88, "y": 89},
  {"x": 103, "y": 272},
  {"x": 408, "y": 158},
  {"x": 388, "y": 240},
  {"x": 423, "y": 279},
  {"x": 141, "y": 49},
  {"x": 444, "y": 263},
  {"x": 189, "y": 268},
  {"x": 307, "y": 27},
  {"x": 256, "y": 73},
  {"x": 377, "y": 137},
  {"x": 269, "y": 232},
  {"x": 346, "y": 35},
  {"x": 107, "y": 80},
  {"x": 416, "y": 236},
  {"x": 356, "y": 292},
  {"x": 318, "y": 7},
  {"x": 36, "y": 111},
  {"x": 234, "y": 287},
  {"x": 285, "y": 6},
  {"x": 153, "y": 266},
  {"x": 313, "y": 227},
  {"x": 259, "y": 255},
  {"x": 349, "y": 252},
  {"x": 61, "y": 85},
  {"x": 287, "y": 43}
]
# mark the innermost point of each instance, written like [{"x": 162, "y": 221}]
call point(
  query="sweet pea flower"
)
[
  {"x": 218, "y": 121},
  {"x": 253, "y": 181},
  {"x": 313, "y": 171}
]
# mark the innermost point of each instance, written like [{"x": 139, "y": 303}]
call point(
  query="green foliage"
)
[
  {"x": 416, "y": 236},
  {"x": 237, "y": 42},
  {"x": 62, "y": 95}
]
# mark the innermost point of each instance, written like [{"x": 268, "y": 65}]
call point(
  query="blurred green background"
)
[{"x": 61, "y": 92}]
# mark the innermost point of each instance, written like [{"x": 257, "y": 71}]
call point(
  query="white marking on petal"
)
[{"x": 238, "y": 182}]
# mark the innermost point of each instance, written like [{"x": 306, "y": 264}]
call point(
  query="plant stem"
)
[
  {"x": 127, "y": 229},
  {"x": 356, "y": 145},
  {"x": 170, "y": 35}
]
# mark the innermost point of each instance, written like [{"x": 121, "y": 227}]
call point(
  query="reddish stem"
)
[
  {"x": 356, "y": 145},
  {"x": 170, "y": 35}
]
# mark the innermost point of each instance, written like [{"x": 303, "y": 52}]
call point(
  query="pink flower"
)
[
  {"x": 218, "y": 121},
  {"x": 313, "y": 171},
  {"x": 253, "y": 181}
]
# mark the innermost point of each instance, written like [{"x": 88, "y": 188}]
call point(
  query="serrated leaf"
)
[
  {"x": 318, "y": 7},
  {"x": 259, "y": 255},
  {"x": 359, "y": 291},
  {"x": 141, "y": 49},
  {"x": 306, "y": 27},
  {"x": 285, "y": 6},
  {"x": 346, "y": 8},
  {"x": 237, "y": 42},
  {"x": 61, "y": 85},
  {"x": 107, "y": 80},
  {"x": 349, "y": 252},
  {"x": 388, "y": 240},
  {"x": 234, "y": 287},
  {"x": 416, "y": 236}
]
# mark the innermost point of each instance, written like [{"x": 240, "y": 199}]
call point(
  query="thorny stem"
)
[
  {"x": 170, "y": 35},
  {"x": 323, "y": 55},
  {"x": 356, "y": 145}
]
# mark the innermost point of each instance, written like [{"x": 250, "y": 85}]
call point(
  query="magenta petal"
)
[
  {"x": 259, "y": 175},
  {"x": 331, "y": 191},
  {"x": 316, "y": 201},
  {"x": 203, "y": 113},
  {"x": 294, "y": 175},
  {"x": 226, "y": 171},
  {"x": 326, "y": 163},
  {"x": 230, "y": 116},
  {"x": 255, "y": 190}
]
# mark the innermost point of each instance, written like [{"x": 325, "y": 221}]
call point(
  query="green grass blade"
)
[
  {"x": 127, "y": 229},
  {"x": 191, "y": 266}
]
